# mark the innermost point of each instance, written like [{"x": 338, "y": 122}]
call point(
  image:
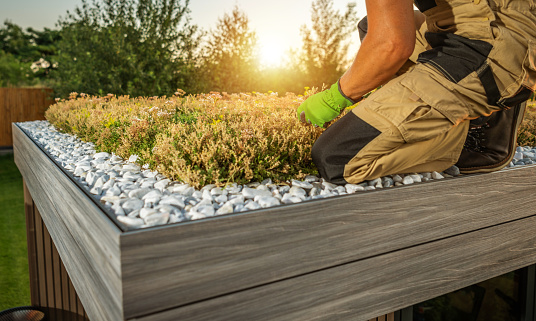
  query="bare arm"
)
[{"x": 388, "y": 45}]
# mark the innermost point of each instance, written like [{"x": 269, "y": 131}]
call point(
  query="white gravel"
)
[{"x": 143, "y": 198}]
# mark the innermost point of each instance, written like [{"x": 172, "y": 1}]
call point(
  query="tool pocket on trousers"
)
[
  {"x": 424, "y": 123},
  {"x": 526, "y": 84}
]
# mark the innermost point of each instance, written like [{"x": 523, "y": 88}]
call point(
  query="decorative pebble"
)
[
  {"x": 376, "y": 183},
  {"x": 227, "y": 208},
  {"x": 289, "y": 199},
  {"x": 387, "y": 181},
  {"x": 518, "y": 155},
  {"x": 328, "y": 186},
  {"x": 250, "y": 193},
  {"x": 252, "y": 206},
  {"x": 298, "y": 192},
  {"x": 436, "y": 175},
  {"x": 304, "y": 185},
  {"x": 132, "y": 205},
  {"x": 220, "y": 199},
  {"x": 130, "y": 221},
  {"x": 144, "y": 212},
  {"x": 453, "y": 170},
  {"x": 139, "y": 193},
  {"x": 268, "y": 201},
  {"x": 315, "y": 191},
  {"x": 408, "y": 180},
  {"x": 157, "y": 219},
  {"x": 162, "y": 184},
  {"x": 352, "y": 188},
  {"x": 311, "y": 179}
]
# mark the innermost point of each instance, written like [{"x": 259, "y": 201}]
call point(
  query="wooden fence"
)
[{"x": 21, "y": 104}]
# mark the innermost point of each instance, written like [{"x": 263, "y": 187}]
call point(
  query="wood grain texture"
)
[
  {"x": 241, "y": 251},
  {"x": 87, "y": 240},
  {"x": 373, "y": 286},
  {"x": 21, "y": 104}
]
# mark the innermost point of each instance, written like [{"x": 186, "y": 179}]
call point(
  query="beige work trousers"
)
[{"x": 419, "y": 120}]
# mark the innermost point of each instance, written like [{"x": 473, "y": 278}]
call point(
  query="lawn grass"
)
[{"x": 14, "y": 280}]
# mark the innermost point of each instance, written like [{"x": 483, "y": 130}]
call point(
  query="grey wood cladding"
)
[
  {"x": 356, "y": 256},
  {"x": 63, "y": 304},
  {"x": 86, "y": 240}
]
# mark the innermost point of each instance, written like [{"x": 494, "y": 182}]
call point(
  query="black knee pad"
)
[{"x": 339, "y": 144}]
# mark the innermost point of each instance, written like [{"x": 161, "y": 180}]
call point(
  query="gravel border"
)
[{"x": 142, "y": 198}]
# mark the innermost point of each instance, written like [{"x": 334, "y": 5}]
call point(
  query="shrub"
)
[
  {"x": 210, "y": 138},
  {"x": 527, "y": 131}
]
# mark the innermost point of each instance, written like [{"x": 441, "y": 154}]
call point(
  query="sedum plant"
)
[{"x": 204, "y": 139}]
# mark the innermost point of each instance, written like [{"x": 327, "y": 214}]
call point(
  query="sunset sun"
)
[{"x": 271, "y": 54}]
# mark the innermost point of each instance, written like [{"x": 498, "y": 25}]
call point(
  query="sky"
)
[{"x": 276, "y": 22}]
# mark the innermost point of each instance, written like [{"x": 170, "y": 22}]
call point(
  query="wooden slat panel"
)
[
  {"x": 21, "y": 104},
  {"x": 57, "y": 310},
  {"x": 73, "y": 298},
  {"x": 31, "y": 241},
  {"x": 58, "y": 299},
  {"x": 49, "y": 273},
  {"x": 41, "y": 274},
  {"x": 360, "y": 290},
  {"x": 65, "y": 293},
  {"x": 87, "y": 240},
  {"x": 240, "y": 251}
]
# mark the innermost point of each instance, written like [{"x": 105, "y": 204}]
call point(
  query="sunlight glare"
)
[{"x": 271, "y": 54}]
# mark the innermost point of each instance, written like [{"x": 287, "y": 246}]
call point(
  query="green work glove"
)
[{"x": 323, "y": 107}]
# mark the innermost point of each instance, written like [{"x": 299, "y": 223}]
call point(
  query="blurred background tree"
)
[
  {"x": 151, "y": 48},
  {"x": 26, "y": 55},
  {"x": 230, "y": 60},
  {"x": 324, "y": 54},
  {"x": 140, "y": 48}
]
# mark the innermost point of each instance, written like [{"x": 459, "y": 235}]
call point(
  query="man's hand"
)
[{"x": 323, "y": 107}]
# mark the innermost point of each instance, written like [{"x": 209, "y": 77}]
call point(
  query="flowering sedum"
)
[{"x": 205, "y": 139}]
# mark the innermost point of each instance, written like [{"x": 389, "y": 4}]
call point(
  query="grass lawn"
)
[{"x": 14, "y": 281}]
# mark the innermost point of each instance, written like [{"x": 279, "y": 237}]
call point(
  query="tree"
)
[
  {"x": 325, "y": 45},
  {"x": 231, "y": 58},
  {"x": 134, "y": 47},
  {"x": 26, "y": 56}
]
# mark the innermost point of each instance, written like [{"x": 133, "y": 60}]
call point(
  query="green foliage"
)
[
  {"x": 231, "y": 62},
  {"x": 134, "y": 47},
  {"x": 203, "y": 139},
  {"x": 26, "y": 56},
  {"x": 325, "y": 46},
  {"x": 527, "y": 131},
  {"x": 14, "y": 73}
]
